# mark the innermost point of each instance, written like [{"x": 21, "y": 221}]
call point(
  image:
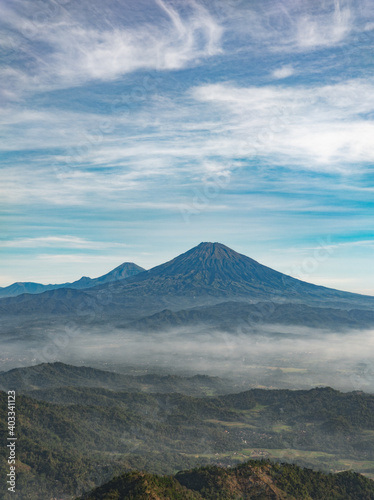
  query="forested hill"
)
[
  {"x": 73, "y": 439},
  {"x": 253, "y": 480}
]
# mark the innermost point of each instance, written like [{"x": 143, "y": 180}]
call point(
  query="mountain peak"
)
[
  {"x": 212, "y": 269},
  {"x": 209, "y": 268},
  {"x": 210, "y": 244},
  {"x": 122, "y": 271},
  {"x": 214, "y": 248},
  {"x": 215, "y": 254}
]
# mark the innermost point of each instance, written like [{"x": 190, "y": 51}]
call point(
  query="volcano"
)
[
  {"x": 213, "y": 271},
  {"x": 207, "y": 275}
]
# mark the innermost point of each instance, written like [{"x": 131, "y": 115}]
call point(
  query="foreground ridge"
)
[{"x": 256, "y": 479}]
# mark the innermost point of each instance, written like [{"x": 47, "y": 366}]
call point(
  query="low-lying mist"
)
[{"x": 270, "y": 356}]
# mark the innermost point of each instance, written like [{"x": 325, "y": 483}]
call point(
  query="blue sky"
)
[{"x": 131, "y": 131}]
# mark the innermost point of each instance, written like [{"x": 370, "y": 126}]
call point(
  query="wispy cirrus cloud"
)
[
  {"x": 60, "y": 242},
  {"x": 67, "y": 50},
  {"x": 65, "y": 44},
  {"x": 318, "y": 30},
  {"x": 297, "y": 26},
  {"x": 324, "y": 128}
]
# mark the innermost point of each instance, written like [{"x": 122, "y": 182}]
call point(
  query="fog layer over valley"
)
[
  {"x": 271, "y": 356},
  {"x": 210, "y": 310}
]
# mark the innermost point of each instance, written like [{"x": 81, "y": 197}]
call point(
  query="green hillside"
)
[
  {"x": 252, "y": 480},
  {"x": 72, "y": 439}
]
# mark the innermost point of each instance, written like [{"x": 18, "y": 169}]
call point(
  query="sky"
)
[{"x": 134, "y": 130}]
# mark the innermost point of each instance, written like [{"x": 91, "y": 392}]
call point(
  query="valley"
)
[{"x": 80, "y": 426}]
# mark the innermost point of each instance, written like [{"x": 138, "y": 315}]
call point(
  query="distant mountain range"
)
[
  {"x": 123, "y": 271},
  {"x": 210, "y": 284}
]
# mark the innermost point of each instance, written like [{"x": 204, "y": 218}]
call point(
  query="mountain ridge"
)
[
  {"x": 255, "y": 479},
  {"x": 46, "y": 376},
  {"x": 211, "y": 273},
  {"x": 123, "y": 271},
  {"x": 217, "y": 266},
  {"x": 239, "y": 316},
  {"x": 206, "y": 275}
]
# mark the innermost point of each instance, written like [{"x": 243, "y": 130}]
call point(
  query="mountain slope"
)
[
  {"x": 143, "y": 486},
  {"x": 121, "y": 272},
  {"x": 205, "y": 275},
  {"x": 252, "y": 480},
  {"x": 212, "y": 271},
  {"x": 239, "y": 316},
  {"x": 56, "y": 375}
]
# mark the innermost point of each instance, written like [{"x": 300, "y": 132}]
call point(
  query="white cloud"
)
[
  {"x": 294, "y": 26},
  {"x": 78, "y": 258},
  {"x": 321, "y": 30},
  {"x": 283, "y": 72},
  {"x": 59, "y": 242},
  {"x": 78, "y": 52},
  {"x": 68, "y": 46},
  {"x": 320, "y": 128},
  {"x": 315, "y": 128},
  {"x": 369, "y": 27}
]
